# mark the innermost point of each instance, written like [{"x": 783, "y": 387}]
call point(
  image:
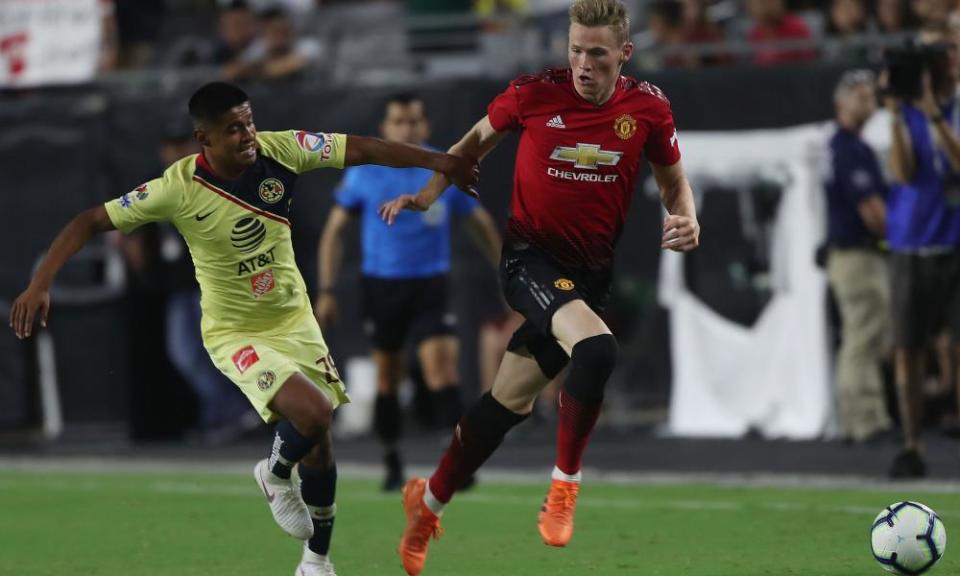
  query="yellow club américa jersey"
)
[{"x": 238, "y": 231}]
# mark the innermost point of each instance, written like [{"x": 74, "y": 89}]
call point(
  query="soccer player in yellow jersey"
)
[{"x": 231, "y": 203}]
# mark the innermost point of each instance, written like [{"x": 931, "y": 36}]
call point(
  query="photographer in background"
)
[
  {"x": 857, "y": 269},
  {"x": 923, "y": 225}
]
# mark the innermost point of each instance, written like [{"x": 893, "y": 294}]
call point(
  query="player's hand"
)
[
  {"x": 32, "y": 303},
  {"x": 680, "y": 233},
  {"x": 464, "y": 172},
  {"x": 389, "y": 211},
  {"x": 325, "y": 309}
]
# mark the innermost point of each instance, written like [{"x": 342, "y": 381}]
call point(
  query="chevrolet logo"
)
[{"x": 586, "y": 156}]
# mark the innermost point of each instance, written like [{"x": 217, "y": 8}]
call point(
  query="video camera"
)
[{"x": 906, "y": 65}]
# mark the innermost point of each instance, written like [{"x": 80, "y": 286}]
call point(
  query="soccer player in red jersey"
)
[{"x": 583, "y": 132}]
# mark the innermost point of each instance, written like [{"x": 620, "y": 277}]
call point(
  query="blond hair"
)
[{"x": 610, "y": 13}]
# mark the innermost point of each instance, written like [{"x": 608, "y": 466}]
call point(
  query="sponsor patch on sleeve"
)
[
  {"x": 316, "y": 143},
  {"x": 139, "y": 193},
  {"x": 245, "y": 358}
]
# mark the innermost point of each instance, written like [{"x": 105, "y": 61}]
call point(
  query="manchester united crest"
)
[
  {"x": 271, "y": 190},
  {"x": 625, "y": 126}
]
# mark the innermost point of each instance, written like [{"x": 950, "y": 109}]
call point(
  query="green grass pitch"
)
[{"x": 188, "y": 524}]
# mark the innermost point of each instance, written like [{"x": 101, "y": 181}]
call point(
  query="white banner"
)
[
  {"x": 44, "y": 42},
  {"x": 771, "y": 377}
]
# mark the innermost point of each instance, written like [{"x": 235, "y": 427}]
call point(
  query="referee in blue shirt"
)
[
  {"x": 405, "y": 273},
  {"x": 857, "y": 269},
  {"x": 923, "y": 229}
]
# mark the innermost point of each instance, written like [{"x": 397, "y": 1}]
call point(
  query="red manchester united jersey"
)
[{"x": 577, "y": 162}]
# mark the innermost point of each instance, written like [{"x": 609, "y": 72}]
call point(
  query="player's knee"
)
[
  {"x": 597, "y": 354},
  {"x": 592, "y": 362},
  {"x": 315, "y": 420}
]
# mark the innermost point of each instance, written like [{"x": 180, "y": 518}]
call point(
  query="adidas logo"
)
[{"x": 556, "y": 122}]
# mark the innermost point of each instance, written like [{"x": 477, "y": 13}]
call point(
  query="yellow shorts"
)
[{"x": 260, "y": 363}]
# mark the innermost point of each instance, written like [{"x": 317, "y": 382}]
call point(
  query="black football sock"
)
[
  {"x": 289, "y": 447},
  {"x": 318, "y": 486}
]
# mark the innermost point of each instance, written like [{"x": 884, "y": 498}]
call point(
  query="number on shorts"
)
[{"x": 329, "y": 369}]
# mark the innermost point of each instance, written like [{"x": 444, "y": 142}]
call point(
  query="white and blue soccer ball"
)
[{"x": 908, "y": 538}]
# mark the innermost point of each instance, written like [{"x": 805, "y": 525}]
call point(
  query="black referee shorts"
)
[
  {"x": 397, "y": 310},
  {"x": 536, "y": 286},
  {"x": 925, "y": 295}
]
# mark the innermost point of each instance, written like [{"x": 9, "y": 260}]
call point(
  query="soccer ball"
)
[{"x": 908, "y": 538}]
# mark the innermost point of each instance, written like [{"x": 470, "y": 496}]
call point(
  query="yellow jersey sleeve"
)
[
  {"x": 154, "y": 201},
  {"x": 302, "y": 151}
]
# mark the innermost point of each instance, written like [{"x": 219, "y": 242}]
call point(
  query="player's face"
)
[
  {"x": 596, "y": 57},
  {"x": 232, "y": 139},
  {"x": 405, "y": 123}
]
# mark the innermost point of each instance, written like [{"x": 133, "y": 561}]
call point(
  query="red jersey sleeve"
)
[
  {"x": 662, "y": 146},
  {"x": 504, "y": 111}
]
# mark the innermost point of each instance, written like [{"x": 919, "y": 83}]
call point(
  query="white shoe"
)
[
  {"x": 314, "y": 565},
  {"x": 285, "y": 501}
]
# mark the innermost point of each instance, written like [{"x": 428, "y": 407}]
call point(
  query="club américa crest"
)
[
  {"x": 266, "y": 379},
  {"x": 271, "y": 190}
]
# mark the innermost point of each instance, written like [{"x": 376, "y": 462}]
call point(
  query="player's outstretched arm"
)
[
  {"x": 681, "y": 231},
  {"x": 460, "y": 170},
  {"x": 329, "y": 255},
  {"x": 476, "y": 143},
  {"x": 35, "y": 300}
]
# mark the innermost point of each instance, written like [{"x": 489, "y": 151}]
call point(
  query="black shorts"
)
[
  {"x": 536, "y": 286},
  {"x": 925, "y": 295},
  {"x": 395, "y": 310}
]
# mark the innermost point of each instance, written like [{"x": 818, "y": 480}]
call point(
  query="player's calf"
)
[
  {"x": 476, "y": 437},
  {"x": 591, "y": 364},
  {"x": 318, "y": 486},
  {"x": 307, "y": 426}
]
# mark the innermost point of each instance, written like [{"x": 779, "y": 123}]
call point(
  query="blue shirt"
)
[
  {"x": 918, "y": 213},
  {"x": 853, "y": 176},
  {"x": 418, "y": 243}
]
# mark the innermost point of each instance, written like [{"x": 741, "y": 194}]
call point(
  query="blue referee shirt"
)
[
  {"x": 854, "y": 176},
  {"x": 924, "y": 214},
  {"x": 417, "y": 245}
]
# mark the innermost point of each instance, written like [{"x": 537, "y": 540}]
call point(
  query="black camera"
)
[{"x": 906, "y": 65}]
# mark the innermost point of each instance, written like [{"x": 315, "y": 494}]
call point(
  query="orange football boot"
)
[
  {"x": 422, "y": 524},
  {"x": 555, "y": 520}
]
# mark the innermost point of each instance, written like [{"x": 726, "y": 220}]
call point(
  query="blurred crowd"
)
[
  {"x": 271, "y": 39},
  {"x": 893, "y": 245}
]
